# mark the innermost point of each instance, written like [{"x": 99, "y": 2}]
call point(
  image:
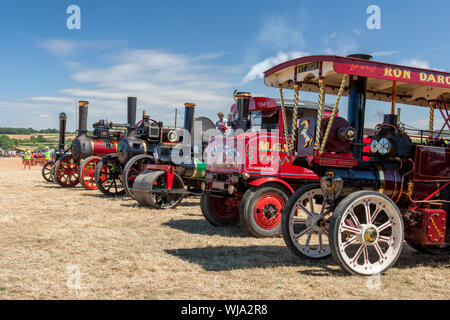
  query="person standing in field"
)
[
  {"x": 27, "y": 159},
  {"x": 48, "y": 154}
]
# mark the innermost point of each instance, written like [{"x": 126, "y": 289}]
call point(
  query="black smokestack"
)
[
  {"x": 357, "y": 106},
  {"x": 62, "y": 130},
  {"x": 242, "y": 104},
  {"x": 189, "y": 110},
  {"x": 131, "y": 115},
  {"x": 83, "y": 113}
]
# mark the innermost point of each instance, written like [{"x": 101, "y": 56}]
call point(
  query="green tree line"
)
[{"x": 6, "y": 130}]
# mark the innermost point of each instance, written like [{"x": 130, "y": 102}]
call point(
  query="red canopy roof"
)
[{"x": 415, "y": 86}]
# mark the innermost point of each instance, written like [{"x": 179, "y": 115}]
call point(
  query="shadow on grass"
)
[
  {"x": 203, "y": 227},
  {"x": 98, "y": 194},
  {"x": 225, "y": 258},
  {"x": 185, "y": 203}
]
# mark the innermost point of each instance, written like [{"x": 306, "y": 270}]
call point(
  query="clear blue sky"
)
[{"x": 167, "y": 53}]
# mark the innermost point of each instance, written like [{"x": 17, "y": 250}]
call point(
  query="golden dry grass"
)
[{"x": 128, "y": 252}]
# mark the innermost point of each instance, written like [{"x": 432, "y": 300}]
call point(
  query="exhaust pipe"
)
[
  {"x": 83, "y": 112},
  {"x": 189, "y": 110},
  {"x": 242, "y": 104},
  {"x": 356, "y": 107},
  {"x": 62, "y": 130},
  {"x": 131, "y": 115}
]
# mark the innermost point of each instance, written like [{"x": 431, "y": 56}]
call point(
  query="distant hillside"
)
[{"x": 5, "y": 130}]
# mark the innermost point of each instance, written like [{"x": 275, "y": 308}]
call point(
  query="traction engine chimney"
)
[
  {"x": 131, "y": 115},
  {"x": 242, "y": 104},
  {"x": 356, "y": 107},
  {"x": 62, "y": 130},
  {"x": 189, "y": 110},
  {"x": 83, "y": 112}
]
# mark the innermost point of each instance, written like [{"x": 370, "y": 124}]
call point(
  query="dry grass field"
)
[{"x": 124, "y": 251}]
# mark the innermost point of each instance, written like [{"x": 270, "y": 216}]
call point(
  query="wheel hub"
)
[
  {"x": 369, "y": 235},
  {"x": 315, "y": 222},
  {"x": 270, "y": 210}
]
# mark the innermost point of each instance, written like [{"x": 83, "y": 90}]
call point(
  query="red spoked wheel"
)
[
  {"x": 260, "y": 210},
  {"x": 86, "y": 173},
  {"x": 219, "y": 210},
  {"x": 66, "y": 172}
]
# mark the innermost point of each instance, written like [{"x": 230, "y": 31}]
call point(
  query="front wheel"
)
[
  {"x": 305, "y": 221},
  {"x": 47, "y": 171},
  {"x": 260, "y": 210},
  {"x": 366, "y": 233},
  {"x": 218, "y": 210},
  {"x": 66, "y": 172},
  {"x": 86, "y": 174},
  {"x": 108, "y": 176}
]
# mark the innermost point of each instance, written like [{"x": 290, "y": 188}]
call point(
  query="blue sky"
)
[{"x": 167, "y": 53}]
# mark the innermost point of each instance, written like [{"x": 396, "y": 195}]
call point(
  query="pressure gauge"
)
[
  {"x": 172, "y": 136},
  {"x": 374, "y": 146},
  {"x": 384, "y": 146}
]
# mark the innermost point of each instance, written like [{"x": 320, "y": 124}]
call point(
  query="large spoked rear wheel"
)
[
  {"x": 219, "y": 211},
  {"x": 154, "y": 192},
  {"x": 366, "y": 233},
  {"x": 305, "y": 222},
  {"x": 260, "y": 210},
  {"x": 108, "y": 176},
  {"x": 66, "y": 172},
  {"x": 132, "y": 169},
  {"x": 86, "y": 174},
  {"x": 47, "y": 171}
]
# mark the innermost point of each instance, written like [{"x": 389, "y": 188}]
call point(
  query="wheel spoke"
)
[
  {"x": 367, "y": 211},
  {"x": 384, "y": 226},
  {"x": 349, "y": 241},
  {"x": 354, "y": 218},
  {"x": 301, "y": 234},
  {"x": 378, "y": 250},
  {"x": 358, "y": 253},
  {"x": 350, "y": 229},
  {"x": 300, "y": 206}
]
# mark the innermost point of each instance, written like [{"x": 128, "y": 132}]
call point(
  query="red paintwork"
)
[
  {"x": 225, "y": 208},
  {"x": 273, "y": 201},
  {"x": 88, "y": 174},
  {"x": 432, "y": 163},
  {"x": 430, "y": 230},
  {"x": 247, "y": 151},
  {"x": 102, "y": 148},
  {"x": 168, "y": 169},
  {"x": 261, "y": 181}
]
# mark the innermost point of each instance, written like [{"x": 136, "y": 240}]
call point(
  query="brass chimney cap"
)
[
  {"x": 83, "y": 103},
  {"x": 189, "y": 104},
  {"x": 243, "y": 95}
]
